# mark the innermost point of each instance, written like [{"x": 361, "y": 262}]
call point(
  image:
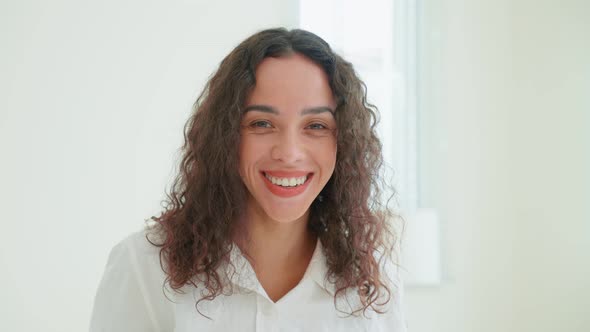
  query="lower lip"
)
[{"x": 286, "y": 191}]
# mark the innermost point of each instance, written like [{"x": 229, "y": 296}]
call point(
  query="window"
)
[{"x": 378, "y": 37}]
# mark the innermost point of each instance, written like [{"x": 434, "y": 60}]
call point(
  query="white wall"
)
[
  {"x": 506, "y": 153},
  {"x": 93, "y": 97}
]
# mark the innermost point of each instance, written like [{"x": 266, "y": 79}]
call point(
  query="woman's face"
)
[{"x": 288, "y": 137}]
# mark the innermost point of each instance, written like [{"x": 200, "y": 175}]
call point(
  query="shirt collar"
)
[
  {"x": 318, "y": 269},
  {"x": 242, "y": 274}
]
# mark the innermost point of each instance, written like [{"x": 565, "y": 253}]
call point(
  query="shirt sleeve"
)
[{"x": 121, "y": 302}]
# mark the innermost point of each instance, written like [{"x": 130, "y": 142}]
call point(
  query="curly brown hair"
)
[{"x": 208, "y": 195}]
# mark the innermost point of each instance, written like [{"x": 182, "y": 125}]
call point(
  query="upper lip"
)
[{"x": 286, "y": 174}]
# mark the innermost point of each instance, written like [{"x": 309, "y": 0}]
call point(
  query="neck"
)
[{"x": 273, "y": 245}]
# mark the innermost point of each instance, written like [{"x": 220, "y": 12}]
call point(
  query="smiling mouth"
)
[
  {"x": 288, "y": 186},
  {"x": 288, "y": 182}
]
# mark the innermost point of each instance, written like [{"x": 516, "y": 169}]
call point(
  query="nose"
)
[{"x": 288, "y": 148}]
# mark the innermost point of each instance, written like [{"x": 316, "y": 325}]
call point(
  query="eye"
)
[
  {"x": 317, "y": 125},
  {"x": 261, "y": 124}
]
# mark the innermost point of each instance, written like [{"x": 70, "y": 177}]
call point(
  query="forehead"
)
[{"x": 291, "y": 81}]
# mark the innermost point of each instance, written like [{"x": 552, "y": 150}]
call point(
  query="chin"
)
[{"x": 285, "y": 217}]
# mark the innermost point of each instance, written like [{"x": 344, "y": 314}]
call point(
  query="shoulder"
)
[
  {"x": 142, "y": 259},
  {"x": 135, "y": 253},
  {"x": 138, "y": 242},
  {"x": 132, "y": 286}
]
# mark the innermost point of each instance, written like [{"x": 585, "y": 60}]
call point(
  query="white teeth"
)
[{"x": 286, "y": 182}]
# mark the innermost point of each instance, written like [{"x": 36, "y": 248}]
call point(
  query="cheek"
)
[
  {"x": 243, "y": 153},
  {"x": 326, "y": 155},
  {"x": 249, "y": 150}
]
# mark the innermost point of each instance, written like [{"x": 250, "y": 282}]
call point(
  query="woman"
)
[{"x": 273, "y": 222}]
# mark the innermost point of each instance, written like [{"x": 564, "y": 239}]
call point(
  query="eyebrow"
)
[{"x": 272, "y": 110}]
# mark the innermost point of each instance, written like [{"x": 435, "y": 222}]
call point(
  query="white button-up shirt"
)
[{"x": 130, "y": 298}]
